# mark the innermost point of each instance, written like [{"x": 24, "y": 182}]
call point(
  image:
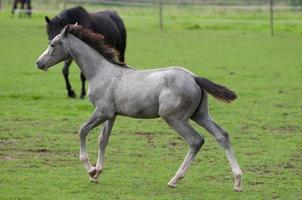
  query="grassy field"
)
[{"x": 38, "y": 124}]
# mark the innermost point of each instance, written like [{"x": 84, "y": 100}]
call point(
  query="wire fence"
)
[
  {"x": 293, "y": 4},
  {"x": 269, "y": 6},
  {"x": 166, "y": 10},
  {"x": 240, "y": 4}
]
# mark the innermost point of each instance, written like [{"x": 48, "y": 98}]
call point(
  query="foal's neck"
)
[{"x": 90, "y": 62}]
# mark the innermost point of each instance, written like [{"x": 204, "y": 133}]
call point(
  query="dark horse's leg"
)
[
  {"x": 28, "y": 10},
  {"x": 65, "y": 71},
  {"x": 21, "y": 13},
  {"x": 15, "y": 6},
  {"x": 83, "y": 92}
]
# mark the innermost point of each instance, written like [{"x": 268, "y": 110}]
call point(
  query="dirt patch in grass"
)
[
  {"x": 6, "y": 157},
  {"x": 147, "y": 136},
  {"x": 288, "y": 129},
  {"x": 280, "y": 106},
  {"x": 244, "y": 127},
  {"x": 250, "y": 153},
  {"x": 212, "y": 178},
  {"x": 7, "y": 142},
  {"x": 42, "y": 150},
  {"x": 275, "y": 168},
  {"x": 6, "y": 130},
  {"x": 174, "y": 144},
  {"x": 10, "y": 150},
  {"x": 256, "y": 183}
]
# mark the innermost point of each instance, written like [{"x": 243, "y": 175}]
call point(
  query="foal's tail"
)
[{"x": 220, "y": 92}]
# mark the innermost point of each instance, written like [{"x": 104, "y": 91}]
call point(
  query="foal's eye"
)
[{"x": 52, "y": 45}]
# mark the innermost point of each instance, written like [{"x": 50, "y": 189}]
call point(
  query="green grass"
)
[{"x": 39, "y": 124}]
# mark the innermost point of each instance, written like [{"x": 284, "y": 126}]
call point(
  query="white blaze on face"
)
[
  {"x": 52, "y": 55},
  {"x": 44, "y": 58}
]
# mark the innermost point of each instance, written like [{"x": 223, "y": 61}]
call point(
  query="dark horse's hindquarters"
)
[{"x": 107, "y": 22}]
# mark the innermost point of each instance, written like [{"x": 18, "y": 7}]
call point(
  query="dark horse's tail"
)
[
  {"x": 220, "y": 92},
  {"x": 123, "y": 34}
]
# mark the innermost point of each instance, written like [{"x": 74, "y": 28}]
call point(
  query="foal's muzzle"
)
[{"x": 40, "y": 65}]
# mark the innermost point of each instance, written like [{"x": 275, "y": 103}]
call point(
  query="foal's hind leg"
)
[
  {"x": 195, "y": 142},
  {"x": 65, "y": 71},
  {"x": 202, "y": 117}
]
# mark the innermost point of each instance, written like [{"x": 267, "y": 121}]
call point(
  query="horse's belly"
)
[
  {"x": 142, "y": 114},
  {"x": 138, "y": 106}
]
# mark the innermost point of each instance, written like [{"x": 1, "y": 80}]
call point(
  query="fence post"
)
[
  {"x": 160, "y": 4},
  {"x": 64, "y": 4},
  {"x": 271, "y": 2}
]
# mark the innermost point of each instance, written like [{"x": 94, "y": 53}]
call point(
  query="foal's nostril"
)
[{"x": 39, "y": 66}]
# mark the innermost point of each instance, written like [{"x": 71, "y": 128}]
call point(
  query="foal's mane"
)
[{"x": 97, "y": 42}]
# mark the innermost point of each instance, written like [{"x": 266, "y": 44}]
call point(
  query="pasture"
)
[{"x": 39, "y": 144}]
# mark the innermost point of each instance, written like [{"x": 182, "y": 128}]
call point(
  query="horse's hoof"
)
[
  {"x": 93, "y": 180},
  {"x": 238, "y": 182},
  {"x": 92, "y": 173},
  {"x": 171, "y": 184},
  {"x": 238, "y": 189},
  {"x": 72, "y": 94}
]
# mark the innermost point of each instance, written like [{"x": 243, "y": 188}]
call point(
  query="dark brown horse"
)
[
  {"x": 108, "y": 23},
  {"x": 23, "y": 10}
]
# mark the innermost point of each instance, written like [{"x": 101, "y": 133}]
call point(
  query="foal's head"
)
[{"x": 55, "y": 52}]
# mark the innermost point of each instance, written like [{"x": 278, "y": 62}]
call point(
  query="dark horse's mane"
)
[
  {"x": 97, "y": 42},
  {"x": 72, "y": 14}
]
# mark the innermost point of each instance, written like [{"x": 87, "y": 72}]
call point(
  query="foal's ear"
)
[
  {"x": 66, "y": 30},
  {"x": 47, "y": 20}
]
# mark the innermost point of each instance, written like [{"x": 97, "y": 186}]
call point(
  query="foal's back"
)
[{"x": 153, "y": 93}]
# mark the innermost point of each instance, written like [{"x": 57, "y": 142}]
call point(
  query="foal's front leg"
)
[
  {"x": 103, "y": 141},
  {"x": 96, "y": 119}
]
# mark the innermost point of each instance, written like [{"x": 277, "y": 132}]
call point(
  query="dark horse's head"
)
[
  {"x": 54, "y": 26},
  {"x": 67, "y": 16}
]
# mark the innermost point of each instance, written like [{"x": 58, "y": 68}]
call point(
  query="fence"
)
[
  {"x": 269, "y": 5},
  {"x": 234, "y": 3},
  {"x": 161, "y": 7}
]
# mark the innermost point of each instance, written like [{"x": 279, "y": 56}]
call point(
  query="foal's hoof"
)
[
  {"x": 93, "y": 180},
  {"x": 92, "y": 172},
  {"x": 72, "y": 94},
  {"x": 174, "y": 180},
  {"x": 238, "y": 189},
  {"x": 238, "y": 183},
  {"x": 171, "y": 185}
]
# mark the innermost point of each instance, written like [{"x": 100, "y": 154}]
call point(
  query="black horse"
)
[
  {"x": 23, "y": 11},
  {"x": 107, "y": 22}
]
